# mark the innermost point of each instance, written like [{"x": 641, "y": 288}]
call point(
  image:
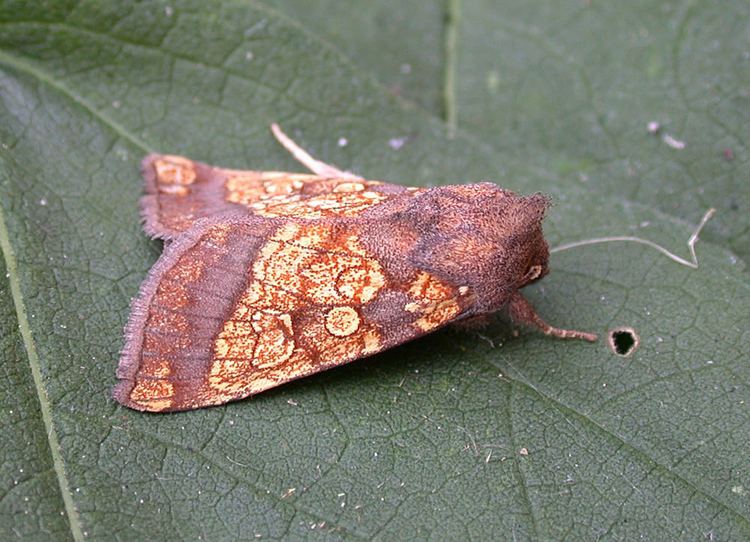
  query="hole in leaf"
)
[{"x": 623, "y": 341}]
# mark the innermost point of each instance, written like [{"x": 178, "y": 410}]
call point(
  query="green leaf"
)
[
  {"x": 450, "y": 437},
  {"x": 31, "y": 505},
  {"x": 587, "y": 99},
  {"x": 399, "y": 41}
]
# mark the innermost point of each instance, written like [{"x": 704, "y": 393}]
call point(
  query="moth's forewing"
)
[
  {"x": 239, "y": 305},
  {"x": 180, "y": 191}
]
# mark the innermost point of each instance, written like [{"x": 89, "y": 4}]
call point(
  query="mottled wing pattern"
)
[
  {"x": 180, "y": 191},
  {"x": 237, "y": 306}
]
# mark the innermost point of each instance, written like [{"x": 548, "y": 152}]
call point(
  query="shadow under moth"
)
[{"x": 270, "y": 276}]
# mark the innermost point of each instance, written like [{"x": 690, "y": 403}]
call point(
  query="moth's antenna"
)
[
  {"x": 691, "y": 243},
  {"x": 304, "y": 157}
]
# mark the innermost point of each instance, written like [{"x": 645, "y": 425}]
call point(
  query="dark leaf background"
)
[{"x": 454, "y": 436}]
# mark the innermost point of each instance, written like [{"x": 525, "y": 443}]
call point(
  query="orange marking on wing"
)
[
  {"x": 174, "y": 173},
  {"x": 230, "y": 346},
  {"x": 228, "y": 377},
  {"x": 306, "y": 262},
  {"x": 303, "y": 269},
  {"x": 372, "y": 341},
  {"x": 264, "y": 295},
  {"x": 276, "y": 193},
  {"x": 428, "y": 286},
  {"x": 218, "y": 234},
  {"x": 435, "y": 300},
  {"x": 161, "y": 368},
  {"x": 263, "y": 342},
  {"x": 349, "y": 187},
  {"x": 155, "y": 394},
  {"x": 341, "y": 344},
  {"x": 342, "y": 321},
  {"x": 275, "y": 338},
  {"x": 437, "y": 314},
  {"x": 327, "y": 205},
  {"x": 248, "y": 187}
]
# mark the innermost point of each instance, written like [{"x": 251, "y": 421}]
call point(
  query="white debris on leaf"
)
[
  {"x": 396, "y": 142},
  {"x": 672, "y": 142},
  {"x": 654, "y": 128}
]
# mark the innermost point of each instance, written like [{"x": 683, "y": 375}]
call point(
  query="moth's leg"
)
[
  {"x": 302, "y": 156},
  {"x": 523, "y": 312}
]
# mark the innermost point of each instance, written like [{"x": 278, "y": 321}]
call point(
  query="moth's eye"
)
[{"x": 533, "y": 272}]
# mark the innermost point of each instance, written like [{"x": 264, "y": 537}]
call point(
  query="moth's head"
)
[
  {"x": 511, "y": 251},
  {"x": 522, "y": 242}
]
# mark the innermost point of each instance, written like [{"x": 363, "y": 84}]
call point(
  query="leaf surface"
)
[
  {"x": 31, "y": 504},
  {"x": 453, "y": 436}
]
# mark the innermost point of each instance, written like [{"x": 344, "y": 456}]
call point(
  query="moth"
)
[{"x": 270, "y": 276}]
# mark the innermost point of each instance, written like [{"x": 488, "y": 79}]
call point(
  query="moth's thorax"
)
[{"x": 485, "y": 238}]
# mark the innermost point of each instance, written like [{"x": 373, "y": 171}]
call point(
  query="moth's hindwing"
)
[
  {"x": 239, "y": 305},
  {"x": 180, "y": 191}
]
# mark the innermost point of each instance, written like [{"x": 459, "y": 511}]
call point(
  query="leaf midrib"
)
[
  {"x": 29, "y": 69},
  {"x": 451, "y": 59},
  {"x": 11, "y": 263}
]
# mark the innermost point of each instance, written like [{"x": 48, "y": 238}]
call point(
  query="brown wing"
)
[
  {"x": 180, "y": 191},
  {"x": 237, "y": 306}
]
